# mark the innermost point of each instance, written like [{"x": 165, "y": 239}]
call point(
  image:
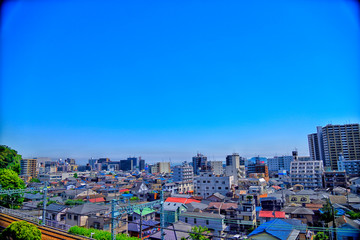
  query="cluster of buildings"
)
[{"x": 232, "y": 198}]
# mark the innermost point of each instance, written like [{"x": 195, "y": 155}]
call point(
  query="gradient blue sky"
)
[{"x": 166, "y": 79}]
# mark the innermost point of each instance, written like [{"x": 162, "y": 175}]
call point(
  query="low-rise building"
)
[
  {"x": 335, "y": 179},
  {"x": 207, "y": 184},
  {"x": 214, "y": 222}
]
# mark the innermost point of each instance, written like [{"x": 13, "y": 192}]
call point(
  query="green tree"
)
[
  {"x": 9, "y": 159},
  {"x": 327, "y": 214},
  {"x": 35, "y": 180},
  {"x": 10, "y": 180},
  {"x": 354, "y": 215},
  {"x": 196, "y": 233},
  {"x": 21, "y": 230},
  {"x": 75, "y": 175},
  {"x": 321, "y": 236}
]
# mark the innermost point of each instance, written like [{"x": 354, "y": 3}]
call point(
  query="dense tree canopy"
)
[
  {"x": 10, "y": 180},
  {"x": 9, "y": 159},
  {"x": 21, "y": 230},
  {"x": 197, "y": 233}
]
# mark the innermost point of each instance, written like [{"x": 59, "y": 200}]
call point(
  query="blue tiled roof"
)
[{"x": 276, "y": 228}]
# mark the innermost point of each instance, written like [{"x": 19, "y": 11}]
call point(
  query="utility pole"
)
[
  {"x": 113, "y": 219},
  {"x": 141, "y": 223},
  {"x": 44, "y": 205},
  {"x": 162, "y": 222},
  {"x": 334, "y": 223}
]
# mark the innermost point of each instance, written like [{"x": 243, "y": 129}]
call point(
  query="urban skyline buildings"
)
[{"x": 331, "y": 142}]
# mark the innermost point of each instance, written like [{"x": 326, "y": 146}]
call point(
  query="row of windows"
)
[{"x": 195, "y": 221}]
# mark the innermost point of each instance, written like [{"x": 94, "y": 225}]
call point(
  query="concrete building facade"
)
[{"x": 207, "y": 184}]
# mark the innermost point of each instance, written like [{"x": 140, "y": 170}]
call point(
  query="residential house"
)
[
  {"x": 347, "y": 229},
  {"x": 146, "y": 214},
  {"x": 78, "y": 216},
  {"x": 214, "y": 222},
  {"x": 56, "y": 212},
  {"x": 265, "y": 216},
  {"x": 303, "y": 214},
  {"x": 147, "y": 227},
  {"x": 175, "y": 231},
  {"x": 173, "y": 210},
  {"x": 279, "y": 229},
  {"x": 216, "y": 197}
]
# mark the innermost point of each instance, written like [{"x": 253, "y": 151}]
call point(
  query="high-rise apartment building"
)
[
  {"x": 183, "y": 172},
  {"x": 332, "y": 141},
  {"x": 199, "y": 163},
  {"x": 28, "y": 167},
  {"x": 141, "y": 164}
]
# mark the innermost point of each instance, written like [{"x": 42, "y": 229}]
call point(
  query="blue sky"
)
[{"x": 167, "y": 79}]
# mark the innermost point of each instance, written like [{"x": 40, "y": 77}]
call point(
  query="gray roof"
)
[
  {"x": 201, "y": 214},
  {"x": 305, "y": 192},
  {"x": 171, "y": 206},
  {"x": 218, "y": 195},
  {"x": 191, "y": 207},
  {"x": 88, "y": 208},
  {"x": 302, "y": 210},
  {"x": 55, "y": 207},
  {"x": 33, "y": 196},
  {"x": 170, "y": 234}
]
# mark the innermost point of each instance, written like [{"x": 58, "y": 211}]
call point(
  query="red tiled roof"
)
[
  {"x": 279, "y": 214},
  {"x": 93, "y": 200},
  {"x": 124, "y": 190},
  {"x": 181, "y": 200},
  {"x": 270, "y": 214},
  {"x": 276, "y": 187}
]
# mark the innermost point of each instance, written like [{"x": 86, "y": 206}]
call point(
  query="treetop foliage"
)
[
  {"x": 9, "y": 158},
  {"x": 21, "y": 230}
]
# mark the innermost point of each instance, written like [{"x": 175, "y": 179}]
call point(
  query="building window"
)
[
  {"x": 207, "y": 222},
  {"x": 194, "y": 220},
  {"x": 69, "y": 216},
  {"x": 219, "y": 188},
  {"x": 186, "y": 220},
  {"x": 75, "y": 217}
]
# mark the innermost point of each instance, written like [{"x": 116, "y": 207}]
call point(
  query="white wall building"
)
[
  {"x": 207, "y": 184},
  {"x": 307, "y": 173},
  {"x": 183, "y": 172}
]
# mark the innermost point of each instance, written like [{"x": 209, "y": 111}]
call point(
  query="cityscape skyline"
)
[{"x": 167, "y": 81}]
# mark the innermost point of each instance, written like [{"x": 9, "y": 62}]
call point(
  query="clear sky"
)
[{"x": 168, "y": 79}]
